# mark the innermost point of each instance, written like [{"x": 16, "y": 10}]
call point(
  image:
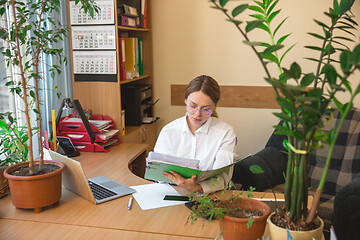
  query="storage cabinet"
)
[
  {"x": 144, "y": 134},
  {"x": 104, "y": 96}
]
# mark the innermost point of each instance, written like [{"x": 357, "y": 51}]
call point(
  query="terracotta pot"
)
[
  {"x": 281, "y": 233},
  {"x": 35, "y": 191},
  {"x": 236, "y": 228}
]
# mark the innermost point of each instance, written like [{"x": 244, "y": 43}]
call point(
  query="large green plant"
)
[
  {"x": 32, "y": 34},
  {"x": 304, "y": 97}
]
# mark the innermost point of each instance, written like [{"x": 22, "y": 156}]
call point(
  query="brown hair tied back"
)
[{"x": 206, "y": 85}]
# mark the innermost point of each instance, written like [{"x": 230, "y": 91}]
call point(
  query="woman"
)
[{"x": 200, "y": 135}]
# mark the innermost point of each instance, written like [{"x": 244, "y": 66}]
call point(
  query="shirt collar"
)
[{"x": 203, "y": 129}]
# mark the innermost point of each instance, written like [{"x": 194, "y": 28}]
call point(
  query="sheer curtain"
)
[{"x": 63, "y": 81}]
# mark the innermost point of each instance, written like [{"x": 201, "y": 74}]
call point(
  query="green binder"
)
[{"x": 154, "y": 170}]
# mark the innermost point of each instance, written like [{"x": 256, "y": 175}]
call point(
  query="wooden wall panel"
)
[{"x": 234, "y": 96}]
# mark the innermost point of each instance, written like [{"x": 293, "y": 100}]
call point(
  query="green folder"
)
[{"x": 155, "y": 169}]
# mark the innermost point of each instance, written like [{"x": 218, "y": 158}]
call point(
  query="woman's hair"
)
[{"x": 206, "y": 85}]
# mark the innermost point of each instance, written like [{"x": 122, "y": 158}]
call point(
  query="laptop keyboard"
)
[{"x": 100, "y": 192}]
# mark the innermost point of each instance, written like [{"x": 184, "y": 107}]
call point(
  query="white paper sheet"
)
[{"x": 150, "y": 196}]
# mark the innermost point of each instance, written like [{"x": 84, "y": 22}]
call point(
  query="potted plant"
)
[
  {"x": 237, "y": 215},
  {"x": 11, "y": 149},
  {"x": 303, "y": 98},
  {"x": 31, "y": 36}
]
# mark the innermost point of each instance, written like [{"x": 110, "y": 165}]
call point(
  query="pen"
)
[{"x": 130, "y": 203}]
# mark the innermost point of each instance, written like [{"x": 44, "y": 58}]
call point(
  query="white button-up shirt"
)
[{"x": 213, "y": 145}]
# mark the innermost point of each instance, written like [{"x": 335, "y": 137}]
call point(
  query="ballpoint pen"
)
[{"x": 130, "y": 203}]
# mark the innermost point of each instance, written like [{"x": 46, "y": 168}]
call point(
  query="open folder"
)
[{"x": 157, "y": 163}]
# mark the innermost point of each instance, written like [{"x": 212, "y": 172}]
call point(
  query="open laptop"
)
[{"x": 96, "y": 190}]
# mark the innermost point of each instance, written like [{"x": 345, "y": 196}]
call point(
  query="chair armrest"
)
[{"x": 272, "y": 162}]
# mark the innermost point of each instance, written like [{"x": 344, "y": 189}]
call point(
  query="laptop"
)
[{"x": 96, "y": 190}]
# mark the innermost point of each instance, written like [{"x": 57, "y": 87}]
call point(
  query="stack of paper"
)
[
  {"x": 99, "y": 124},
  {"x": 183, "y": 162},
  {"x": 107, "y": 134}
]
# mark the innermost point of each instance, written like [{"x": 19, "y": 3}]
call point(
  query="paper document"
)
[
  {"x": 150, "y": 196},
  {"x": 155, "y": 168},
  {"x": 108, "y": 134},
  {"x": 163, "y": 158},
  {"x": 99, "y": 124}
]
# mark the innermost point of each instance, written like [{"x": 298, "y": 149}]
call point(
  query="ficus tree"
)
[{"x": 32, "y": 35}]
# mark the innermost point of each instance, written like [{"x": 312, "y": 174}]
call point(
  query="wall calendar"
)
[
  {"x": 94, "y": 62},
  {"x": 105, "y": 16},
  {"x": 93, "y": 37}
]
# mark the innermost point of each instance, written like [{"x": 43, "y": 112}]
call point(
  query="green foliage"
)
[
  {"x": 11, "y": 137},
  {"x": 304, "y": 97},
  {"x": 31, "y": 36},
  {"x": 216, "y": 207}
]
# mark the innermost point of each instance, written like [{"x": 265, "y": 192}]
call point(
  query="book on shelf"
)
[
  {"x": 140, "y": 57},
  {"x": 134, "y": 57},
  {"x": 143, "y": 15},
  {"x": 130, "y": 54},
  {"x": 157, "y": 163},
  {"x": 122, "y": 58}
]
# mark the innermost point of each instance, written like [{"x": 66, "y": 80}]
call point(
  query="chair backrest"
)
[{"x": 345, "y": 162}]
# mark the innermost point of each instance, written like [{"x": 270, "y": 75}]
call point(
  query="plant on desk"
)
[
  {"x": 11, "y": 149},
  {"x": 239, "y": 216},
  {"x": 304, "y": 97},
  {"x": 30, "y": 38}
]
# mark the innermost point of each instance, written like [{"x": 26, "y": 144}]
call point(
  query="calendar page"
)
[
  {"x": 105, "y": 15},
  {"x": 93, "y": 37},
  {"x": 94, "y": 62}
]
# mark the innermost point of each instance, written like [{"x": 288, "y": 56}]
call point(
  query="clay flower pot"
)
[
  {"x": 236, "y": 228},
  {"x": 281, "y": 233},
  {"x": 35, "y": 191}
]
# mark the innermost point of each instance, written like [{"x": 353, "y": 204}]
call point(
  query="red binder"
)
[
  {"x": 145, "y": 20},
  {"x": 122, "y": 58}
]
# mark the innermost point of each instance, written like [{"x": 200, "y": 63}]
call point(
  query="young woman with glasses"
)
[{"x": 200, "y": 135}]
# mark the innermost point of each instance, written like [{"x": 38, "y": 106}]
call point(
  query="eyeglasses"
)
[{"x": 192, "y": 109}]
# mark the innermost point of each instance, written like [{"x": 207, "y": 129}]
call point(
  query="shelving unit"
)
[{"x": 105, "y": 97}]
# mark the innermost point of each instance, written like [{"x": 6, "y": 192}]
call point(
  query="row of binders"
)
[
  {"x": 98, "y": 138},
  {"x": 133, "y": 14},
  {"x": 131, "y": 57}
]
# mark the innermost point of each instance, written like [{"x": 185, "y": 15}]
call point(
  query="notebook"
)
[{"x": 96, "y": 190}]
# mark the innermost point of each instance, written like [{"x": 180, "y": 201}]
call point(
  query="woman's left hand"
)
[{"x": 189, "y": 183}]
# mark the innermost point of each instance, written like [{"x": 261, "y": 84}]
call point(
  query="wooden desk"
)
[
  {"x": 77, "y": 215},
  {"x": 76, "y": 218}
]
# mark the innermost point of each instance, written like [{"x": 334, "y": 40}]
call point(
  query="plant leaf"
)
[
  {"x": 253, "y": 24},
  {"x": 271, "y": 49},
  {"x": 239, "y": 9},
  {"x": 307, "y": 79}
]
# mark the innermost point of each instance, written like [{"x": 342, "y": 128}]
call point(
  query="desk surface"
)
[
  {"x": 75, "y": 213},
  {"x": 76, "y": 217}
]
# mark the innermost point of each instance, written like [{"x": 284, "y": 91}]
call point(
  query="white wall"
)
[{"x": 190, "y": 39}]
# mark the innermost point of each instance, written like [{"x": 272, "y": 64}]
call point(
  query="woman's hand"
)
[{"x": 189, "y": 184}]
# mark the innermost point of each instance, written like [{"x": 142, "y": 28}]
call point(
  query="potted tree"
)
[
  {"x": 31, "y": 36},
  {"x": 303, "y": 98},
  {"x": 237, "y": 215}
]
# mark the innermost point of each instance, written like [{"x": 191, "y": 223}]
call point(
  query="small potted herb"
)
[{"x": 237, "y": 215}]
